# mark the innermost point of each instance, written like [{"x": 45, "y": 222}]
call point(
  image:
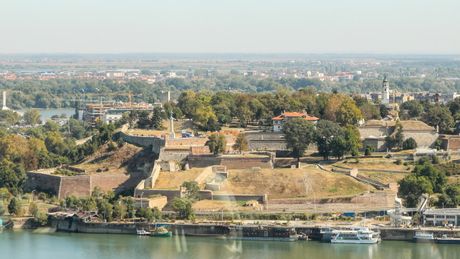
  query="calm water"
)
[
  {"x": 48, "y": 113},
  {"x": 28, "y": 245}
]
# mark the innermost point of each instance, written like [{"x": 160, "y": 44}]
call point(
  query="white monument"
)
[{"x": 4, "y": 107}]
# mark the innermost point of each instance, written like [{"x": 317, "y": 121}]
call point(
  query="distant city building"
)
[{"x": 280, "y": 120}]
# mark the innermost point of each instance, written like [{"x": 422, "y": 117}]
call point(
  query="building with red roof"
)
[{"x": 279, "y": 120}]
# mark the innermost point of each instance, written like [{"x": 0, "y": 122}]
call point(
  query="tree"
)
[
  {"x": 241, "y": 143},
  {"x": 439, "y": 116},
  {"x": 12, "y": 176},
  {"x": 105, "y": 209},
  {"x": 216, "y": 143},
  {"x": 14, "y": 207},
  {"x": 9, "y": 118},
  {"x": 414, "y": 108},
  {"x": 369, "y": 111},
  {"x": 395, "y": 140},
  {"x": 326, "y": 131},
  {"x": 33, "y": 209},
  {"x": 157, "y": 118},
  {"x": 299, "y": 134},
  {"x": 32, "y": 117},
  {"x": 183, "y": 207},
  {"x": 119, "y": 211},
  {"x": 412, "y": 187},
  {"x": 192, "y": 189},
  {"x": 348, "y": 113},
  {"x": 352, "y": 140},
  {"x": 409, "y": 143},
  {"x": 425, "y": 178},
  {"x": 143, "y": 121}
]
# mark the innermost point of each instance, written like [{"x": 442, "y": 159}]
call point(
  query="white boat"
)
[
  {"x": 356, "y": 235},
  {"x": 424, "y": 237},
  {"x": 142, "y": 232}
]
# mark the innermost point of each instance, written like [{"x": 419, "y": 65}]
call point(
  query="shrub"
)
[{"x": 409, "y": 143}]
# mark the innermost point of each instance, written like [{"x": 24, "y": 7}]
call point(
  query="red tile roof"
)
[{"x": 295, "y": 115}]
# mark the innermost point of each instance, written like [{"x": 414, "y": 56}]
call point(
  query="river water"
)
[{"x": 30, "y": 245}]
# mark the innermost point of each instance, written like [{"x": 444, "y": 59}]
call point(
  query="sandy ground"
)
[
  {"x": 113, "y": 162},
  {"x": 169, "y": 180},
  {"x": 290, "y": 183},
  {"x": 385, "y": 177}
]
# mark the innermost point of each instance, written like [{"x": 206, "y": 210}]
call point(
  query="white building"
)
[
  {"x": 441, "y": 217},
  {"x": 279, "y": 120}
]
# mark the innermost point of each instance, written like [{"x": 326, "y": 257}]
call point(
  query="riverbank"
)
[{"x": 75, "y": 225}]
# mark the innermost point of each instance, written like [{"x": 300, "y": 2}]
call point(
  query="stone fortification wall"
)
[
  {"x": 144, "y": 141},
  {"x": 366, "y": 132},
  {"x": 270, "y": 141},
  {"x": 42, "y": 183},
  {"x": 423, "y": 139},
  {"x": 79, "y": 186},
  {"x": 261, "y": 198},
  {"x": 231, "y": 162}
]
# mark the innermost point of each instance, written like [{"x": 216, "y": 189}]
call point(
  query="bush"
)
[
  {"x": 409, "y": 143},
  {"x": 14, "y": 208},
  {"x": 368, "y": 151},
  {"x": 398, "y": 162}
]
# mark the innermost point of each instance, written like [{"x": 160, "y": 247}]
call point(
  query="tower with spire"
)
[{"x": 385, "y": 91}]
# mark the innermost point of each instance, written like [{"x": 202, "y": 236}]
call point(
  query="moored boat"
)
[
  {"x": 161, "y": 232},
  {"x": 263, "y": 233},
  {"x": 359, "y": 235},
  {"x": 142, "y": 232},
  {"x": 447, "y": 240},
  {"x": 423, "y": 237}
]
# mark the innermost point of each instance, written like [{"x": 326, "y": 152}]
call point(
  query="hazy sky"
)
[{"x": 243, "y": 26}]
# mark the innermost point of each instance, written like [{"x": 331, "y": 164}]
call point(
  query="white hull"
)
[{"x": 372, "y": 241}]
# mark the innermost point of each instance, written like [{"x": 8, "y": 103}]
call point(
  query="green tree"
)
[
  {"x": 119, "y": 211},
  {"x": 352, "y": 140},
  {"x": 105, "y": 209},
  {"x": 299, "y": 134},
  {"x": 326, "y": 131},
  {"x": 348, "y": 113},
  {"x": 396, "y": 139},
  {"x": 370, "y": 111},
  {"x": 191, "y": 189},
  {"x": 412, "y": 187},
  {"x": 414, "y": 108},
  {"x": 183, "y": 207},
  {"x": 33, "y": 210},
  {"x": 439, "y": 116},
  {"x": 12, "y": 176},
  {"x": 9, "y": 118},
  {"x": 216, "y": 143},
  {"x": 409, "y": 143},
  {"x": 157, "y": 118},
  {"x": 32, "y": 117},
  {"x": 14, "y": 207},
  {"x": 241, "y": 143}
]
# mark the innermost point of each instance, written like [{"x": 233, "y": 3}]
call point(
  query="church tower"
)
[{"x": 386, "y": 91}]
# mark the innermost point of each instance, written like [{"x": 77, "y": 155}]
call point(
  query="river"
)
[
  {"x": 46, "y": 114},
  {"x": 32, "y": 245}
]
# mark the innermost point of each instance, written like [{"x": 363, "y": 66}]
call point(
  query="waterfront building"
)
[
  {"x": 442, "y": 217},
  {"x": 280, "y": 120}
]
